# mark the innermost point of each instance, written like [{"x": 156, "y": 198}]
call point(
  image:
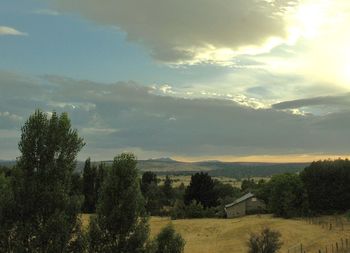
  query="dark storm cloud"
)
[{"x": 127, "y": 115}]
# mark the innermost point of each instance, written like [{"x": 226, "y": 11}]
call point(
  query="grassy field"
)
[
  {"x": 186, "y": 179},
  {"x": 230, "y": 235}
]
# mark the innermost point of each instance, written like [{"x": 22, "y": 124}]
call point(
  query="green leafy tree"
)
[
  {"x": 267, "y": 241},
  {"x": 121, "y": 224},
  {"x": 287, "y": 196},
  {"x": 77, "y": 184},
  {"x": 89, "y": 186},
  {"x": 6, "y": 204},
  {"x": 168, "y": 241},
  {"x": 201, "y": 189},
  {"x": 328, "y": 185},
  {"x": 43, "y": 214}
]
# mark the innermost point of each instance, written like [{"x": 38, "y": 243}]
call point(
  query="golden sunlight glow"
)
[
  {"x": 298, "y": 158},
  {"x": 318, "y": 29}
]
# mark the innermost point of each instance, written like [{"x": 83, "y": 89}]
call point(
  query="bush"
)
[
  {"x": 195, "y": 210},
  {"x": 267, "y": 241},
  {"x": 178, "y": 211},
  {"x": 348, "y": 215},
  {"x": 168, "y": 241}
]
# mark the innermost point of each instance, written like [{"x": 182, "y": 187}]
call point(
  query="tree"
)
[
  {"x": 147, "y": 179},
  {"x": 152, "y": 193},
  {"x": 268, "y": 241},
  {"x": 43, "y": 213},
  {"x": 6, "y": 204},
  {"x": 101, "y": 174},
  {"x": 168, "y": 191},
  {"x": 121, "y": 224},
  {"x": 327, "y": 184},
  {"x": 201, "y": 189},
  {"x": 226, "y": 190},
  {"x": 168, "y": 241},
  {"x": 286, "y": 196},
  {"x": 89, "y": 186}
]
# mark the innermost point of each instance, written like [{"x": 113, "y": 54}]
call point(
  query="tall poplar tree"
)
[{"x": 44, "y": 210}]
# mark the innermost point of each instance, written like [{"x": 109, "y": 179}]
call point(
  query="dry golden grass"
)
[
  {"x": 231, "y": 235},
  {"x": 177, "y": 180}
]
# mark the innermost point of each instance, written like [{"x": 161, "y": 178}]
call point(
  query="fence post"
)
[
  {"x": 301, "y": 248},
  {"x": 336, "y": 246}
]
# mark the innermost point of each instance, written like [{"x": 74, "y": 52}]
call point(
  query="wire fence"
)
[{"x": 337, "y": 224}]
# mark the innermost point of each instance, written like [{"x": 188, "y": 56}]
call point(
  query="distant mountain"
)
[
  {"x": 162, "y": 159},
  {"x": 166, "y": 165}
]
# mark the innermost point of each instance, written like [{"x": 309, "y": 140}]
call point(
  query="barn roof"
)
[{"x": 241, "y": 199}]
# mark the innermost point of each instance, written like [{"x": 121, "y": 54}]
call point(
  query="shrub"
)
[
  {"x": 267, "y": 241},
  {"x": 168, "y": 241}
]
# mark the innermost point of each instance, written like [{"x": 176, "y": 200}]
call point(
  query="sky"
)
[{"x": 231, "y": 80}]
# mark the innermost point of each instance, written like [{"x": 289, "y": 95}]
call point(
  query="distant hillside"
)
[
  {"x": 165, "y": 166},
  {"x": 217, "y": 168}
]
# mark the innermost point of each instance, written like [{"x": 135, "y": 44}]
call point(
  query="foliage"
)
[
  {"x": 153, "y": 198},
  {"x": 286, "y": 196},
  {"x": 89, "y": 187},
  {"x": 121, "y": 224},
  {"x": 101, "y": 175},
  {"x": 76, "y": 184},
  {"x": 202, "y": 190},
  {"x": 268, "y": 241},
  {"x": 194, "y": 210},
  {"x": 348, "y": 215},
  {"x": 179, "y": 210},
  {"x": 168, "y": 241},
  {"x": 226, "y": 190},
  {"x": 168, "y": 192},
  {"x": 328, "y": 185},
  {"x": 147, "y": 179},
  {"x": 6, "y": 202},
  {"x": 151, "y": 192},
  {"x": 42, "y": 214}
]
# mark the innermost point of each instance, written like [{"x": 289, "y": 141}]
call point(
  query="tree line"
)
[
  {"x": 42, "y": 197},
  {"x": 321, "y": 188},
  {"x": 41, "y": 200}
]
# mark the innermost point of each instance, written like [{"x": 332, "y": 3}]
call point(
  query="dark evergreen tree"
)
[
  {"x": 201, "y": 189},
  {"x": 101, "y": 174},
  {"x": 89, "y": 186},
  {"x": 168, "y": 192},
  {"x": 147, "y": 179}
]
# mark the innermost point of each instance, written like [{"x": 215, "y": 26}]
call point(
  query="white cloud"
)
[
  {"x": 11, "y": 116},
  {"x": 6, "y": 30},
  {"x": 193, "y": 31}
]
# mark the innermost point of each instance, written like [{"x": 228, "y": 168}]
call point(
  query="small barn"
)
[{"x": 247, "y": 204}]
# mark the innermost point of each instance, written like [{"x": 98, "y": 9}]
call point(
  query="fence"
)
[{"x": 341, "y": 246}]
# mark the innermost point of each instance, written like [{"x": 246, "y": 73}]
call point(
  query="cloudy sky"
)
[{"x": 234, "y": 80}]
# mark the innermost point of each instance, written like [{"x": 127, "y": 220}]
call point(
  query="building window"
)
[{"x": 254, "y": 199}]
